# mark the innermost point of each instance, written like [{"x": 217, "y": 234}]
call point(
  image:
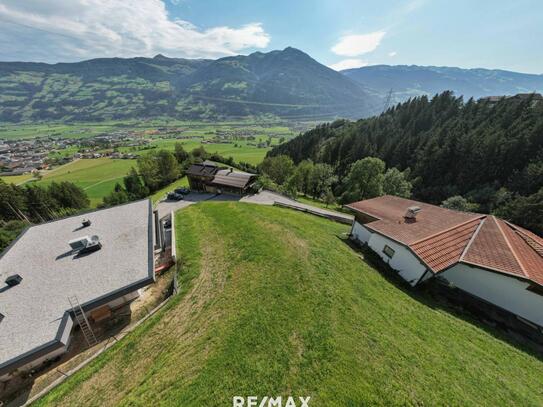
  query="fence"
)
[{"x": 337, "y": 218}]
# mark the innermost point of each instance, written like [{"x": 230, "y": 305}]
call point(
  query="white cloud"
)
[
  {"x": 392, "y": 54},
  {"x": 354, "y": 45},
  {"x": 76, "y": 29},
  {"x": 348, "y": 64}
]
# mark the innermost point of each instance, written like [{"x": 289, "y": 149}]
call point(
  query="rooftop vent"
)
[
  {"x": 86, "y": 223},
  {"x": 411, "y": 213},
  {"x": 85, "y": 244},
  {"x": 14, "y": 280}
]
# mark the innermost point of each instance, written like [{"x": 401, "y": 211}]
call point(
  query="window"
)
[
  {"x": 388, "y": 251},
  {"x": 535, "y": 289}
]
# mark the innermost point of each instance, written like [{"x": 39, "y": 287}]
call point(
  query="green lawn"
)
[
  {"x": 16, "y": 179},
  {"x": 97, "y": 176},
  {"x": 273, "y": 303},
  {"x": 315, "y": 202}
]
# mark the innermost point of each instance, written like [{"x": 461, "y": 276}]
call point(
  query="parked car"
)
[
  {"x": 182, "y": 191},
  {"x": 174, "y": 196}
]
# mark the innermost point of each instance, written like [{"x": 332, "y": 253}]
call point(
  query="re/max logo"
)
[{"x": 255, "y": 401}]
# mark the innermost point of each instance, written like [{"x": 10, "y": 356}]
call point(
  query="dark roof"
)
[
  {"x": 442, "y": 237},
  {"x": 206, "y": 168},
  {"x": 232, "y": 178}
]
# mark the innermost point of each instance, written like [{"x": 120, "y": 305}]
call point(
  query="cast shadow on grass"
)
[{"x": 430, "y": 293}]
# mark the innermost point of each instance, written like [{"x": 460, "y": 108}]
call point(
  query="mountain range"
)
[
  {"x": 406, "y": 81},
  {"x": 286, "y": 83}
]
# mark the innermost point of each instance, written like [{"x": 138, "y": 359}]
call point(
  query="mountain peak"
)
[{"x": 160, "y": 56}]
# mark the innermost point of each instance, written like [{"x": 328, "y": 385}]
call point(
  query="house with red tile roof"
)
[{"x": 485, "y": 256}]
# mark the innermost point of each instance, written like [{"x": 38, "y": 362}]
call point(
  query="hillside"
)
[
  {"x": 286, "y": 83},
  {"x": 408, "y": 81},
  {"x": 489, "y": 153},
  {"x": 273, "y": 303}
]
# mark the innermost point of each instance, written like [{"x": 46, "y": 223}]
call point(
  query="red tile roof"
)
[
  {"x": 442, "y": 237},
  {"x": 445, "y": 249}
]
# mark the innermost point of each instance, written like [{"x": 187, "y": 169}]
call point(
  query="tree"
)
[
  {"x": 397, "y": 183},
  {"x": 148, "y": 169},
  {"x": 329, "y": 198},
  {"x": 180, "y": 154},
  {"x": 322, "y": 178},
  {"x": 302, "y": 176},
  {"x": 279, "y": 168},
  {"x": 117, "y": 197},
  {"x": 40, "y": 203},
  {"x": 365, "y": 180},
  {"x": 12, "y": 202},
  {"x": 134, "y": 185},
  {"x": 459, "y": 203},
  {"x": 526, "y": 211},
  {"x": 69, "y": 195},
  {"x": 168, "y": 167},
  {"x": 200, "y": 153}
]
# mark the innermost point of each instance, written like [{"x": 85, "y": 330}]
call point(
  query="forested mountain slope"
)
[
  {"x": 286, "y": 83},
  {"x": 492, "y": 154},
  {"x": 407, "y": 81}
]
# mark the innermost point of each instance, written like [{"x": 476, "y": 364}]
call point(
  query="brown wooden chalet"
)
[{"x": 209, "y": 177}]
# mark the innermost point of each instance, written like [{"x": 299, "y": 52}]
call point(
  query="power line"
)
[{"x": 387, "y": 102}]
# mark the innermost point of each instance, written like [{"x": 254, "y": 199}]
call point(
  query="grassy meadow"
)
[
  {"x": 97, "y": 177},
  {"x": 274, "y": 303}
]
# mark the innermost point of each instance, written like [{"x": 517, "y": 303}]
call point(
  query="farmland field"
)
[
  {"x": 273, "y": 303},
  {"x": 98, "y": 176}
]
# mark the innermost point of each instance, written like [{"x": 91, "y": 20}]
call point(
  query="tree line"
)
[
  {"x": 367, "y": 178},
  {"x": 23, "y": 205},
  {"x": 475, "y": 155}
]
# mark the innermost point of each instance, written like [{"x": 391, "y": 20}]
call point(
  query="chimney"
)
[
  {"x": 14, "y": 280},
  {"x": 411, "y": 213}
]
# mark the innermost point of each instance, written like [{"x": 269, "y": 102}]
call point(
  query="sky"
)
[{"x": 496, "y": 34}]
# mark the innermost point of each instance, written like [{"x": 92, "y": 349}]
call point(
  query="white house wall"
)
[
  {"x": 501, "y": 290},
  {"x": 404, "y": 261},
  {"x": 360, "y": 233}
]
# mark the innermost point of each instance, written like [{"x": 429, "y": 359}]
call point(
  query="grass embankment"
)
[{"x": 275, "y": 304}]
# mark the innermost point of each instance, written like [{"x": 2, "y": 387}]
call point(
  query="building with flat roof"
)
[{"x": 102, "y": 262}]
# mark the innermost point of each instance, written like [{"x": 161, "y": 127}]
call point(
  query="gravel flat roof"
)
[{"x": 36, "y": 312}]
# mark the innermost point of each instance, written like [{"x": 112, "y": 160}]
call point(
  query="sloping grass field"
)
[
  {"x": 274, "y": 303},
  {"x": 96, "y": 176}
]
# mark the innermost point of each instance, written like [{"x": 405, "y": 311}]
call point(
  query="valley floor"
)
[{"x": 274, "y": 303}]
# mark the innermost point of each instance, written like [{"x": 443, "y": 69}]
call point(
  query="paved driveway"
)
[{"x": 262, "y": 198}]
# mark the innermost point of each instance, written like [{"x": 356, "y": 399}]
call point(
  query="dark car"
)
[
  {"x": 174, "y": 196},
  {"x": 182, "y": 191}
]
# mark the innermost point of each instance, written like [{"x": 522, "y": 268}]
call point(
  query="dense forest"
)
[
  {"x": 488, "y": 154},
  {"x": 21, "y": 206}
]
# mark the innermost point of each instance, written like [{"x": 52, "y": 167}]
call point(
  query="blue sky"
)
[{"x": 342, "y": 33}]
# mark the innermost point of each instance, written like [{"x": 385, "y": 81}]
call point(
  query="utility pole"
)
[{"x": 387, "y": 102}]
